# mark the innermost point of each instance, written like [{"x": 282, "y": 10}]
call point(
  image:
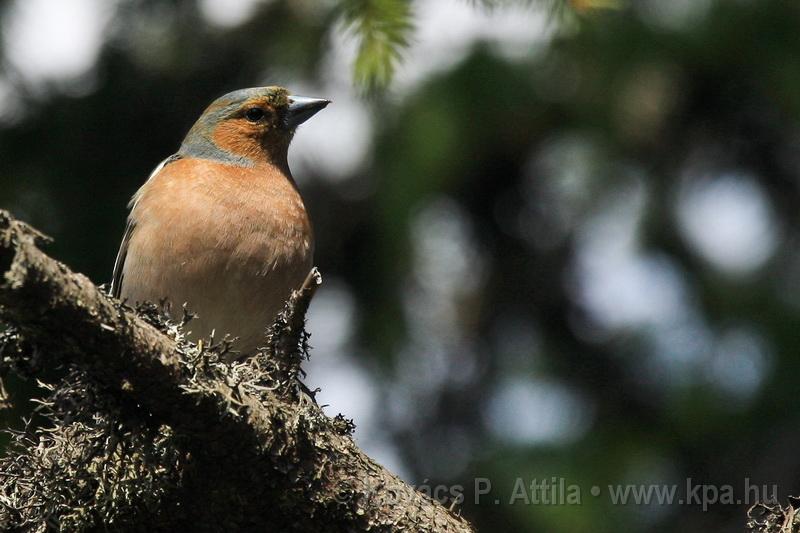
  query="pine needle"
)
[{"x": 383, "y": 28}]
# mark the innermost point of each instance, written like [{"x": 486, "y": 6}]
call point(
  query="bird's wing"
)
[
  {"x": 119, "y": 263},
  {"x": 116, "y": 278}
]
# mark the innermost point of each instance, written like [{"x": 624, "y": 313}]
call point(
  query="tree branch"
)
[{"x": 225, "y": 446}]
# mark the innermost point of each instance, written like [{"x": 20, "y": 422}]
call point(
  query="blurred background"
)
[{"x": 559, "y": 239}]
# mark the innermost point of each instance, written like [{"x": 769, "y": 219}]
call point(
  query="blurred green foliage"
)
[{"x": 382, "y": 28}]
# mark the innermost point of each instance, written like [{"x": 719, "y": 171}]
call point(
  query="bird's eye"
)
[{"x": 254, "y": 114}]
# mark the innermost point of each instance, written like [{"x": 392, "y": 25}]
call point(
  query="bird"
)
[{"x": 220, "y": 225}]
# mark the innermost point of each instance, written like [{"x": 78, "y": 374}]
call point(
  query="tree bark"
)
[{"x": 152, "y": 432}]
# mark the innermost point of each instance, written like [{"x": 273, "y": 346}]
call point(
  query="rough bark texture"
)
[
  {"x": 774, "y": 517},
  {"x": 149, "y": 432}
]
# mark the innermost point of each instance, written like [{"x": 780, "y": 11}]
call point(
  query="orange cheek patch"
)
[{"x": 238, "y": 138}]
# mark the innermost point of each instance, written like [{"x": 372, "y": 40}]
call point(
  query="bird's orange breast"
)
[{"x": 230, "y": 241}]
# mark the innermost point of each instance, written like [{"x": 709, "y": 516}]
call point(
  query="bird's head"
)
[{"x": 249, "y": 126}]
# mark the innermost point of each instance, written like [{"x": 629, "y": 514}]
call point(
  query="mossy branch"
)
[{"x": 149, "y": 432}]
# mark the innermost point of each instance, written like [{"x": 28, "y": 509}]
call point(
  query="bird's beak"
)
[{"x": 302, "y": 108}]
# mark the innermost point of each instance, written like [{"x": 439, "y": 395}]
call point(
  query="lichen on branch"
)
[{"x": 145, "y": 430}]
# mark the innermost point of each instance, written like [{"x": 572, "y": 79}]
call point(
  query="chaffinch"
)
[{"x": 221, "y": 225}]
